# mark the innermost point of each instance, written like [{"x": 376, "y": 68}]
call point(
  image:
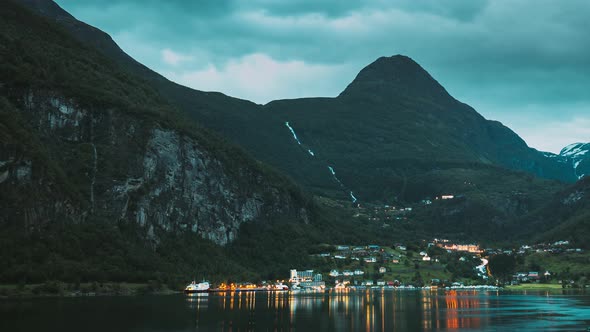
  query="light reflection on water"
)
[
  {"x": 370, "y": 310},
  {"x": 383, "y": 310}
]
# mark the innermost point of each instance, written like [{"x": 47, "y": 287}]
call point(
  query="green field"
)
[
  {"x": 524, "y": 287},
  {"x": 561, "y": 265}
]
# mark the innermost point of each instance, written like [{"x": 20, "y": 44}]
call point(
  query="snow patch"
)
[
  {"x": 353, "y": 198},
  {"x": 574, "y": 150},
  {"x": 311, "y": 152}
]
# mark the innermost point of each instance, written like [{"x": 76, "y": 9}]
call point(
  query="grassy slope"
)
[{"x": 565, "y": 216}]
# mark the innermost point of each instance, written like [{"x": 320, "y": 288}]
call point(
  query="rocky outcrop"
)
[{"x": 135, "y": 169}]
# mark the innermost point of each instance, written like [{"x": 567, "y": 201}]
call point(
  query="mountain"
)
[
  {"x": 579, "y": 156},
  {"x": 566, "y": 216},
  {"x": 382, "y": 131},
  {"x": 107, "y": 168},
  {"x": 393, "y": 121},
  {"x": 241, "y": 121},
  {"x": 99, "y": 175}
]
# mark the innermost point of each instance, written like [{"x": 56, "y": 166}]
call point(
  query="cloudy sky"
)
[{"x": 525, "y": 63}]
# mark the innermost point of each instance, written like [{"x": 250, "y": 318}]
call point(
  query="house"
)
[
  {"x": 342, "y": 248},
  {"x": 395, "y": 283},
  {"x": 347, "y": 273},
  {"x": 380, "y": 283},
  {"x": 370, "y": 260},
  {"x": 402, "y": 248},
  {"x": 395, "y": 261},
  {"x": 426, "y": 258},
  {"x": 472, "y": 248},
  {"x": 382, "y": 270},
  {"x": 299, "y": 276},
  {"x": 359, "y": 272},
  {"x": 334, "y": 273}
]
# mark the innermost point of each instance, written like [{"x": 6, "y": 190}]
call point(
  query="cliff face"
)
[{"x": 130, "y": 169}]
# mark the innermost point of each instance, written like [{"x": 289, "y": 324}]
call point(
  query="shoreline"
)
[
  {"x": 56, "y": 289},
  {"x": 63, "y": 290},
  {"x": 541, "y": 287}
]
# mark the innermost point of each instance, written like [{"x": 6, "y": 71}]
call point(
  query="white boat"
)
[{"x": 194, "y": 287}]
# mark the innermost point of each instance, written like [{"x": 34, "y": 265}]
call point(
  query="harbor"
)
[{"x": 308, "y": 281}]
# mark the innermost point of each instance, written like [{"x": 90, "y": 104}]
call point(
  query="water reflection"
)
[
  {"x": 366, "y": 310},
  {"x": 377, "y": 310}
]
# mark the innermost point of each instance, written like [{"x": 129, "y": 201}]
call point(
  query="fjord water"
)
[{"x": 372, "y": 310}]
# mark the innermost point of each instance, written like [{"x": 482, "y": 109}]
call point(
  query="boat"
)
[
  {"x": 194, "y": 287},
  {"x": 278, "y": 288}
]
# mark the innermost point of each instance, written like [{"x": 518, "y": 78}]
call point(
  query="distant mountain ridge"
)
[
  {"x": 579, "y": 155},
  {"x": 565, "y": 216}
]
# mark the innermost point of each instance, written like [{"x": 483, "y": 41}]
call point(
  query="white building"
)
[{"x": 301, "y": 276}]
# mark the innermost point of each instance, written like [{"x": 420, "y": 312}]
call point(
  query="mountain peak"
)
[
  {"x": 396, "y": 75},
  {"x": 575, "y": 149}
]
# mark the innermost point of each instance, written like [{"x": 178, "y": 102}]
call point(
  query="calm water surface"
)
[{"x": 372, "y": 310}]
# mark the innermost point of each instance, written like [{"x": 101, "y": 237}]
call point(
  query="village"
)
[{"x": 435, "y": 263}]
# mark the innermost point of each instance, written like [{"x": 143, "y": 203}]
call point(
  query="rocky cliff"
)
[
  {"x": 135, "y": 170},
  {"x": 82, "y": 141}
]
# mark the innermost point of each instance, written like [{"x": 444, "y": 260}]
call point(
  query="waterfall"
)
[{"x": 292, "y": 132}]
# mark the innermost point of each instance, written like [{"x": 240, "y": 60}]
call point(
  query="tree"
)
[{"x": 502, "y": 266}]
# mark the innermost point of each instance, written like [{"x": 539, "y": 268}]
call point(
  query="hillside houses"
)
[{"x": 450, "y": 247}]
